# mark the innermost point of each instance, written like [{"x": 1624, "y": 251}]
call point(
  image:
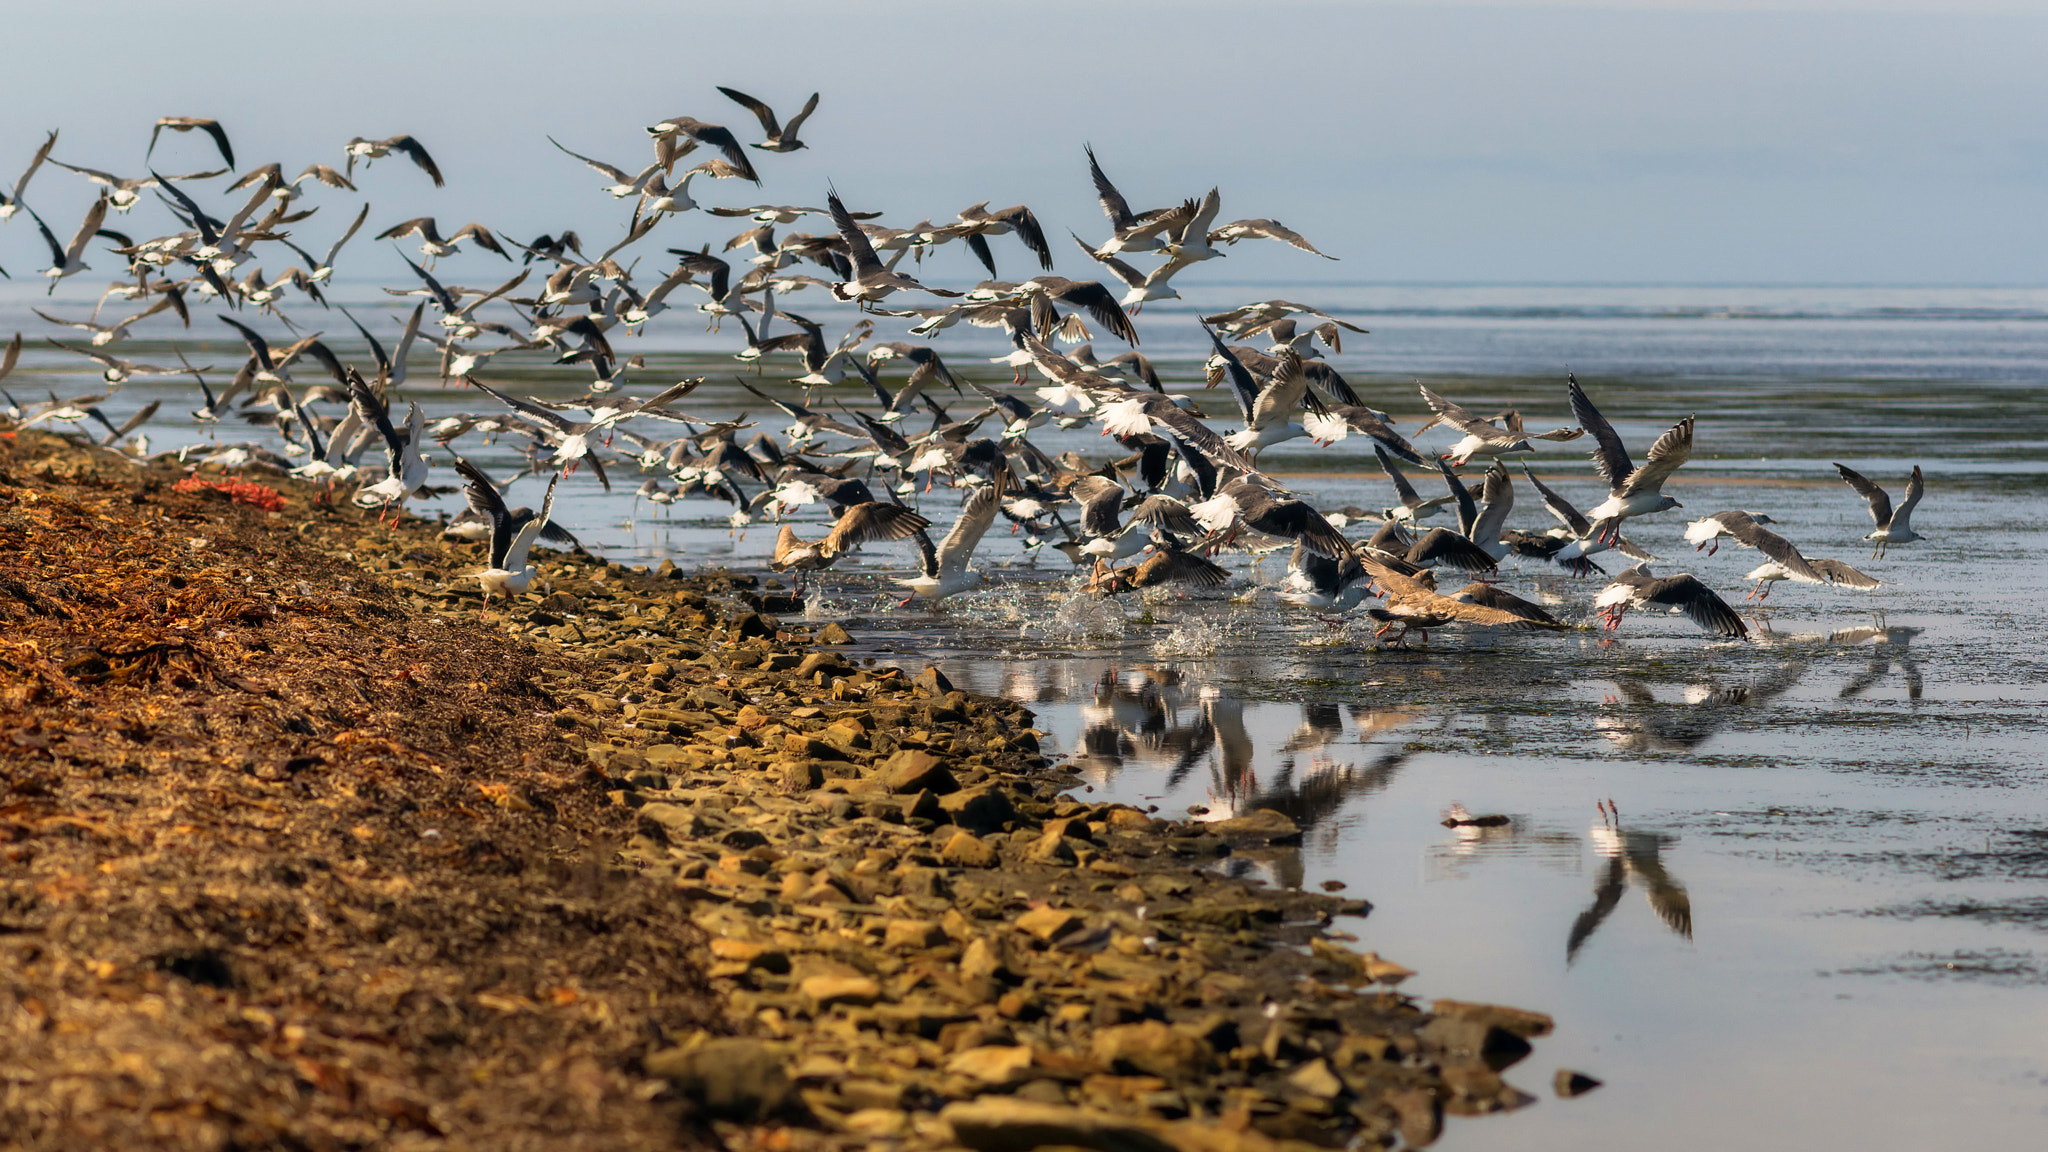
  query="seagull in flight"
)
[{"x": 1894, "y": 525}]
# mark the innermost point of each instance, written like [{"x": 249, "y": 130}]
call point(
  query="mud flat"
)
[{"x": 298, "y": 847}]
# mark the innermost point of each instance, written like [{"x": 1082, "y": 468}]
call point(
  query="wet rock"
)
[
  {"x": 751, "y": 625},
  {"x": 998, "y": 1124},
  {"x": 933, "y": 681},
  {"x": 1459, "y": 1040},
  {"x": 834, "y": 634},
  {"x": 830, "y": 663},
  {"x": 917, "y": 771},
  {"x": 1051, "y": 848},
  {"x": 734, "y": 1079},
  {"x": 1264, "y": 824},
  {"x": 1517, "y": 1021},
  {"x": 1568, "y": 1083}
]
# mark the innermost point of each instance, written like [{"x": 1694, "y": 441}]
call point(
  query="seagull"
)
[
  {"x": 512, "y": 534},
  {"x": 1263, "y": 229},
  {"x": 122, "y": 192},
  {"x": 1636, "y": 587},
  {"x": 1748, "y": 530},
  {"x": 431, "y": 244},
  {"x": 1894, "y": 525},
  {"x": 367, "y": 150},
  {"x": 1323, "y": 584},
  {"x": 1834, "y": 571},
  {"x": 1088, "y": 295},
  {"x": 945, "y": 571},
  {"x": 1163, "y": 565},
  {"x": 623, "y": 183},
  {"x": 10, "y": 200},
  {"x": 1134, "y": 231},
  {"x": 1573, "y": 529},
  {"x": 68, "y": 260},
  {"x": 1251, "y": 502},
  {"x": 1249, "y": 319},
  {"x": 1482, "y": 437},
  {"x": 405, "y": 469},
  {"x": 1632, "y": 491},
  {"x": 678, "y": 137},
  {"x": 870, "y": 281},
  {"x": 1101, "y": 500},
  {"x": 187, "y": 124},
  {"x": 1412, "y": 506},
  {"x": 1143, "y": 287},
  {"x": 1415, "y": 605},
  {"x": 1268, "y": 411},
  {"x": 781, "y": 137},
  {"x": 859, "y": 524},
  {"x": 977, "y": 223}
]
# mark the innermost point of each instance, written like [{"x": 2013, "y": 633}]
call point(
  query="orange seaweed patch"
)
[{"x": 240, "y": 491}]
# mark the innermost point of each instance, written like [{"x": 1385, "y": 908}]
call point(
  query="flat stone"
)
[
  {"x": 1051, "y": 848},
  {"x": 735, "y": 1079},
  {"x": 1006, "y": 1124},
  {"x": 966, "y": 850},
  {"x": 672, "y": 824},
  {"x": 824, "y": 991},
  {"x": 1525, "y": 1024},
  {"x": 1264, "y": 824},
  {"x": 912, "y": 934},
  {"x": 992, "y": 1065},
  {"x": 913, "y": 771},
  {"x": 1047, "y": 923},
  {"x": 751, "y": 718},
  {"x": 1316, "y": 1079}
]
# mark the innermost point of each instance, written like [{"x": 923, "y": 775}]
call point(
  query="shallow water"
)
[{"x": 1818, "y": 919}]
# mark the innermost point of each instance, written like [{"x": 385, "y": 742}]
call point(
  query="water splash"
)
[
  {"x": 1080, "y": 616},
  {"x": 1189, "y": 639}
]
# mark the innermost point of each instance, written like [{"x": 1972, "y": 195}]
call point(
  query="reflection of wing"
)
[
  {"x": 1667, "y": 896},
  {"x": 1606, "y": 894},
  {"x": 1231, "y": 738}
]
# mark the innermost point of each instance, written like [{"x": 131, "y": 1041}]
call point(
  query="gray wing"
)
[
  {"x": 1672, "y": 449},
  {"x": 1880, "y": 504},
  {"x": 1610, "y": 458}
]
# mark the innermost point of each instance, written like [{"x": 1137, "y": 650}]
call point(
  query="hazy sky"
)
[{"x": 1650, "y": 141}]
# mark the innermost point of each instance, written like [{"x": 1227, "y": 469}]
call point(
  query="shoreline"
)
[{"x": 739, "y": 887}]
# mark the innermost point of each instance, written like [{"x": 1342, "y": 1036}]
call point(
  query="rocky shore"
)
[{"x": 298, "y": 847}]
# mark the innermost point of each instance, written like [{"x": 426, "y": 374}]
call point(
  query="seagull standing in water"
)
[
  {"x": 1894, "y": 525},
  {"x": 512, "y": 535}
]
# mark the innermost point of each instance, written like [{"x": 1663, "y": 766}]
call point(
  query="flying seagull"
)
[
  {"x": 1894, "y": 525},
  {"x": 1636, "y": 588},
  {"x": 781, "y": 137}
]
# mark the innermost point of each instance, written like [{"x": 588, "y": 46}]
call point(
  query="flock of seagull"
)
[{"x": 1175, "y": 497}]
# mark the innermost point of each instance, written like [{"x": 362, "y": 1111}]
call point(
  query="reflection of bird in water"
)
[
  {"x": 1320, "y": 725},
  {"x": 1631, "y": 855},
  {"x": 1888, "y": 646},
  {"x": 1650, "y": 725}
]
